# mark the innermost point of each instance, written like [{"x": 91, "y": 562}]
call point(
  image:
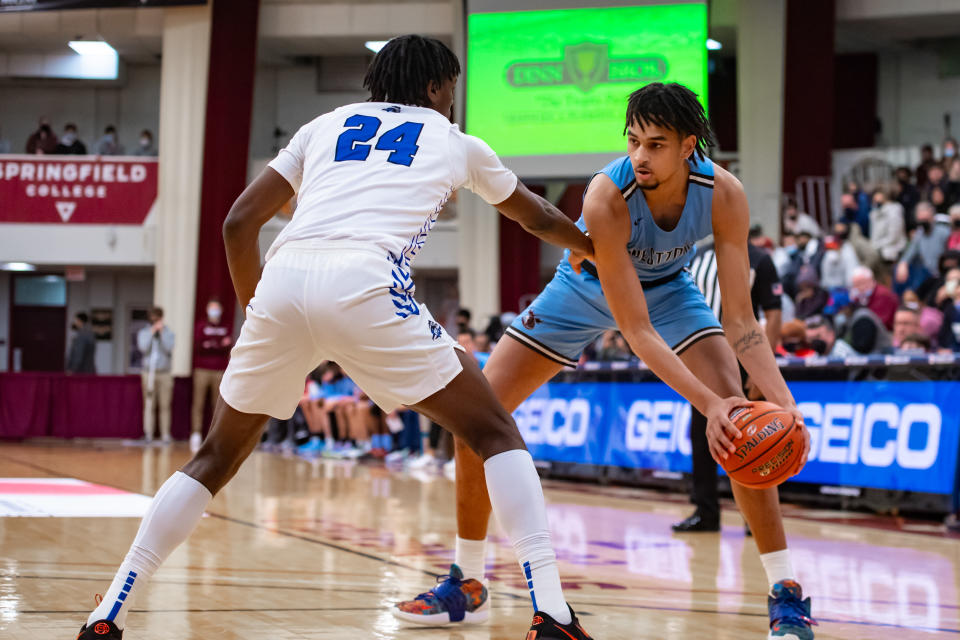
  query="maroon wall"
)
[
  {"x": 854, "y": 100},
  {"x": 233, "y": 55}
]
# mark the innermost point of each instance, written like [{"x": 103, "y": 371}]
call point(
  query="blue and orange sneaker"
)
[
  {"x": 789, "y": 612},
  {"x": 454, "y": 600}
]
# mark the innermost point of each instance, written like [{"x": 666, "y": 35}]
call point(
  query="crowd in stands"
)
[{"x": 45, "y": 141}]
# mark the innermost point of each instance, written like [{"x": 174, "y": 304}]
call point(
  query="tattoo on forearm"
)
[{"x": 747, "y": 341}]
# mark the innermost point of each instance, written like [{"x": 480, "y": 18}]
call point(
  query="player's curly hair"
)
[
  {"x": 672, "y": 106},
  {"x": 405, "y": 69}
]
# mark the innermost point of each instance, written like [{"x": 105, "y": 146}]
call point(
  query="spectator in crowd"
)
[
  {"x": 926, "y": 161},
  {"x": 463, "y": 320},
  {"x": 108, "y": 144},
  {"x": 156, "y": 344},
  {"x": 867, "y": 292},
  {"x": 796, "y": 221},
  {"x": 933, "y": 293},
  {"x": 931, "y": 318},
  {"x": 936, "y": 179},
  {"x": 822, "y": 338},
  {"x": 953, "y": 241},
  {"x": 852, "y": 214},
  {"x": 809, "y": 252},
  {"x": 811, "y": 298},
  {"x": 793, "y": 340},
  {"x": 905, "y": 322},
  {"x": 42, "y": 141},
  {"x": 83, "y": 347},
  {"x": 938, "y": 198},
  {"x": 953, "y": 182},
  {"x": 949, "y": 337},
  {"x": 949, "y": 150},
  {"x": 908, "y": 196},
  {"x": 921, "y": 260},
  {"x": 866, "y": 333},
  {"x": 916, "y": 343},
  {"x": 69, "y": 143},
  {"x": 887, "y": 231},
  {"x": 4, "y": 144},
  {"x": 145, "y": 146},
  {"x": 838, "y": 263},
  {"x": 212, "y": 341},
  {"x": 613, "y": 347},
  {"x": 851, "y": 235}
]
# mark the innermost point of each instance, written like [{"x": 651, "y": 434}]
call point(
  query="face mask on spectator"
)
[
  {"x": 214, "y": 314},
  {"x": 949, "y": 152},
  {"x": 790, "y": 347},
  {"x": 925, "y": 225},
  {"x": 145, "y": 142},
  {"x": 820, "y": 346},
  {"x": 791, "y": 249},
  {"x": 68, "y": 138},
  {"x": 912, "y": 305}
]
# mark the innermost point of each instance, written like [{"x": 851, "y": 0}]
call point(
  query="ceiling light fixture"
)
[
  {"x": 92, "y": 48},
  {"x": 17, "y": 266}
]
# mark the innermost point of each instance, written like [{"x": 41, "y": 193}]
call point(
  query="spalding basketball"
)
[{"x": 768, "y": 448}]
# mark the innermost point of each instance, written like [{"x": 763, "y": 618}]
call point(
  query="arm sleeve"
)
[
  {"x": 167, "y": 340},
  {"x": 486, "y": 175},
  {"x": 289, "y": 162},
  {"x": 767, "y": 287},
  {"x": 911, "y": 252},
  {"x": 143, "y": 340}
]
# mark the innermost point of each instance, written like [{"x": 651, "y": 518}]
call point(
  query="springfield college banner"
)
[
  {"x": 77, "y": 189},
  {"x": 883, "y": 435},
  {"x": 49, "y": 5}
]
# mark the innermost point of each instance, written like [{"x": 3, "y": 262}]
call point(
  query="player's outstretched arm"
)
[
  {"x": 540, "y": 218},
  {"x": 241, "y": 230},
  {"x": 731, "y": 223},
  {"x": 608, "y": 221}
]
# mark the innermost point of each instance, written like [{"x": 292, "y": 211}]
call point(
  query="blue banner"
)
[{"x": 883, "y": 435}]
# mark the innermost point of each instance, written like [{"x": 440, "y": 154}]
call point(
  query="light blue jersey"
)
[{"x": 572, "y": 311}]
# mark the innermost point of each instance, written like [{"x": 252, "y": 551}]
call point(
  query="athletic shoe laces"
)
[{"x": 788, "y": 608}]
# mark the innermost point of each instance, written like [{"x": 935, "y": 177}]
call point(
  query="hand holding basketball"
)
[
  {"x": 721, "y": 432},
  {"x": 772, "y": 446}
]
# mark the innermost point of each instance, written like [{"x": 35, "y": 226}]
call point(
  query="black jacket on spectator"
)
[
  {"x": 82, "y": 349},
  {"x": 77, "y": 148},
  {"x": 949, "y": 336}
]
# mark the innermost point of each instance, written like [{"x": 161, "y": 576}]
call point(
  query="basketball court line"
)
[{"x": 376, "y": 558}]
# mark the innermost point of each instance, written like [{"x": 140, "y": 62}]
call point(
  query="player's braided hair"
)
[
  {"x": 672, "y": 106},
  {"x": 405, "y": 69}
]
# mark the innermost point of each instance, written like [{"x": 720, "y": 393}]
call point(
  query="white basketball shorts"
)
[{"x": 343, "y": 302}]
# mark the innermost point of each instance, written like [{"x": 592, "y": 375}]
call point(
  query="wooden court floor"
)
[{"x": 293, "y": 549}]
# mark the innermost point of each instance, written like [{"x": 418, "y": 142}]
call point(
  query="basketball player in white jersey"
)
[{"x": 370, "y": 179}]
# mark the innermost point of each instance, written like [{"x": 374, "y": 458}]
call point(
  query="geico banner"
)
[
  {"x": 885, "y": 435},
  {"x": 77, "y": 189}
]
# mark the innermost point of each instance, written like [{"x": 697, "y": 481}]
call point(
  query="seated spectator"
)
[
  {"x": 936, "y": 179},
  {"x": 793, "y": 340},
  {"x": 907, "y": 195},
  {"x": 809, "y": 252},
  {"x": 759, "y": 240},
  {"x": 108, "y": 144},
  {"x": 146, "y": 146},
  {"x": 921, "y": 260},
  {"x": 863, "y": 206},
  {"x": 953, "y": 241},
  {"x": 867, "y": 292},
  {"x": 915, "y": 344},
  {"x": 822, "y": 338},
  {"x": 4, "y": 144},
  {"x": 838, "y": 263},
  {"x": 931, "y": 318},
  {"x": 42, "y": 141},
  {"x": 811, "y": 298},
  {"x": 795, "y": 221},
  {"x": 949, "y": 150},
  {"x": 906, "y": 322},
  {"x": 866, "y": 333},
  {"x": 865, "y": 252},
  {"x": 887, "y": 230},
  {"x": 932, "y": 291},
  {"x": 949, "y": 337},
  {"x": 69, "y": 143},
  {"x": 938, "y": 198},
  {"x": 613, "y": 347}
]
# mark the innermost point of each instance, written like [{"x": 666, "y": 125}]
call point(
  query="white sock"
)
[
  {"x": 778, "y": 566},
  {"x": 471, "y": 557},
  {"x": 517, "y": 500},
  {"x": 173, "y": 515}
]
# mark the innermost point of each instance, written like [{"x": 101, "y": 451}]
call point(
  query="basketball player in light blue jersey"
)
[{"x": 645, "y": 212}]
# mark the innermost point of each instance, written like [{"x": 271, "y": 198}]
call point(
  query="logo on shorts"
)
[
  {"x": 435, "y": 329},
  {"x": 531, "y": 321}
]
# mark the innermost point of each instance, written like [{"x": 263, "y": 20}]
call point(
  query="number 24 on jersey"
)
[{"x": 401, "y": 141}]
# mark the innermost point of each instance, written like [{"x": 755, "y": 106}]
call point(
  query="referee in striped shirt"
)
[{"x": 765, "y": 292}]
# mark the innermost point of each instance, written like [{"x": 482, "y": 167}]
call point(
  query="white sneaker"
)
[
  {"x": 196, "y": 439},
  {"x": 450, "y": 468},
  {"x": 422, "y": 462},
  {"x": 397, "y": 456}
]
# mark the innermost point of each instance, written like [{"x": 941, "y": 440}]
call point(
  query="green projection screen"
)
[{"x": 555, "y": 82}]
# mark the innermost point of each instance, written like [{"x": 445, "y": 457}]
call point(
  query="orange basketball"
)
[{"x": 768, "y": 449}]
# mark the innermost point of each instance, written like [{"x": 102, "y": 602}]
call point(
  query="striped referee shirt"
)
[{"x": 765, "y": 287}]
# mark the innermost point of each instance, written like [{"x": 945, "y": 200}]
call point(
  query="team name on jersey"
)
[{"x": 654, "y": 258}]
